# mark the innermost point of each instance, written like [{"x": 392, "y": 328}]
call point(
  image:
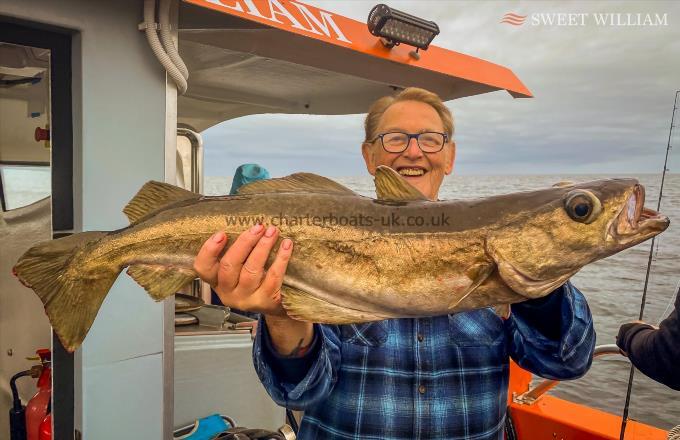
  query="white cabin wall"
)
[{"x": 120, "y": 136}]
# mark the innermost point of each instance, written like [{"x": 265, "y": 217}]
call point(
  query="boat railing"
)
[
  {"x": 530, "y": 396},
  {"x": 196, "y": 184}
]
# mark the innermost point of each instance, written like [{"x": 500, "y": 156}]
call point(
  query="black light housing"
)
[{"x": 395, "y": 27}]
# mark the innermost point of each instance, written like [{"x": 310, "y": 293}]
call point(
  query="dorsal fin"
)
[
  {"x": 153, "y": 196},
  {"x": 298, "y": 182},
  {"x": 389, "y": 185}
]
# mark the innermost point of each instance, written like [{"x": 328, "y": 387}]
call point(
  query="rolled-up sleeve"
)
[
  {"x": 315, "y": 385},
  {"x": 564, "y": 352}
]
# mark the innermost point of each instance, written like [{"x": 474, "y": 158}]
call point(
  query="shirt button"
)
[
  {"x": 420, "y": 337},
  {"x": 421, "y": 389}
]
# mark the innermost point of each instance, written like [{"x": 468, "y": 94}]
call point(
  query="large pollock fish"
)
[{"x": 355, "y": 259}]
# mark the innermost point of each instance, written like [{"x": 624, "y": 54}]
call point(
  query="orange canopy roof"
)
[{"x": 278, "y": 56}]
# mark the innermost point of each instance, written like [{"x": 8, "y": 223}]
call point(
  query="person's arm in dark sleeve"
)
[
  {"x": 300, "y": 382},
  {"x": 553, "y": 336},
  {"x": 655, "y": 352}
]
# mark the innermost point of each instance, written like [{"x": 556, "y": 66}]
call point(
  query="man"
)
[
  {"x": 655, "y": 350},
  {"x": 441, "y": 377}
]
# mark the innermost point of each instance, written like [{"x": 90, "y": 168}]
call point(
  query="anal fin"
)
[
  {"x": 160, "y": 281},
  {"x": 303, "y": 306}
]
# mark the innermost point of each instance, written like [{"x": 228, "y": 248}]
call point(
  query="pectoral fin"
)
[
  {"x": 160, "y": 281},
  {"x": 477, "y": 274},
  {"x": 303, "y": 306}
]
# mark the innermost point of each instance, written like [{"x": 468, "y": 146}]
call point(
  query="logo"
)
[
  {"x": 513, "y": 19},
  {"x": 600, "y": 19}
]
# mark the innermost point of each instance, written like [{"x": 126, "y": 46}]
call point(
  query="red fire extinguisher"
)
[
  {"x": 31, "y": 422},
  {"x": 38, "y": 407},
  {"x": 46, "y": 428}
]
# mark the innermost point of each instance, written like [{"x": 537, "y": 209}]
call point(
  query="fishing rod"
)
[
  {"x": 676, "y": 292},
  {"x": 624, "y": 418}
]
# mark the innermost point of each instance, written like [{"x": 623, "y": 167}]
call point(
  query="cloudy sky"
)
[{"x": 603, "y": 96}]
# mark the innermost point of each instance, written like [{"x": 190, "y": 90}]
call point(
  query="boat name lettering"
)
[{"x": 323, "y": 24}]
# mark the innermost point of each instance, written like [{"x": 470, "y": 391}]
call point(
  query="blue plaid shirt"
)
[{"x": 444, "y": 377}]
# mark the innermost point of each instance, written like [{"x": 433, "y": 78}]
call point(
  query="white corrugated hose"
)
[
  {"x": 166, "y": 37},
  {"x": 150, "y": 27}
]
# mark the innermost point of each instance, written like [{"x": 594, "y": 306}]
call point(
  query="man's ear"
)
[
  {"x": 369, "y": 157},
  {"x": 451, "y": 159}
]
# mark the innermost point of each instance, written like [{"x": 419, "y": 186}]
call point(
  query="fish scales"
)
[{"x": 355, "y": 259}]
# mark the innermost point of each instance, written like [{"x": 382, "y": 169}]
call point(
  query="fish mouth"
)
[{"x": 635, "y": 223}]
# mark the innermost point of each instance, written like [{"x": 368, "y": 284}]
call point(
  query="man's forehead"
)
[
  {"x": 404, "y": 129},
  {"x": 415, "y": 116}
]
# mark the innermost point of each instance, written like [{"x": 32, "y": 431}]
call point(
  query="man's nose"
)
[{"x": 412, "y": 151}]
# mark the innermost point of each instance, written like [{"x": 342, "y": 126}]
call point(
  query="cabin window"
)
[
  {"x": 25, "y": 147},
  {"x": 23, "y": 185}
]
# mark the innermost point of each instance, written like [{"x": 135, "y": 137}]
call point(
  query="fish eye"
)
[{"x": 582, "y": 206}]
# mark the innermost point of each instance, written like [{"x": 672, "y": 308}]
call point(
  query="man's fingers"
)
[
  {"x": 230, "y": 266},
  {"x": 244, "y": 244},
  {"x": 274, "y": 278},
  {"x": 253, "y": 267},
  {"x": 206, "y": 262},
  {"x": 242, "y": 278}
]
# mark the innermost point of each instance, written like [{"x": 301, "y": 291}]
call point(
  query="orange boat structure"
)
[{"x": 535, "y": 414}]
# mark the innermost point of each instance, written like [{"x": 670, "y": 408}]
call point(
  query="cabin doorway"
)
[{"x": 36, "y": 202}]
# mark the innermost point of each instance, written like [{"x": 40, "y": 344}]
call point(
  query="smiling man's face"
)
[{"x": 425, "y": 171}]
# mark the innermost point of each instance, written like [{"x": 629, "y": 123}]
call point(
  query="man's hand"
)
[
  {"x": 621, "y": 337},
  {"x": 241, "y": 281},
  {"x": 637, "y": 321},
  {"x": 239, "y": 277}
]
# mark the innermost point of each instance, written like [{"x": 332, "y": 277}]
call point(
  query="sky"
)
[{"x": 603, "y": 96}]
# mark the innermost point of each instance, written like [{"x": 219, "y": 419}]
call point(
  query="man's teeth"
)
[{"x": 411, "y": 171}]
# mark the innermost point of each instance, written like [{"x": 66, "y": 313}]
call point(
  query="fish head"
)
[{"x": 541, "y": 245}]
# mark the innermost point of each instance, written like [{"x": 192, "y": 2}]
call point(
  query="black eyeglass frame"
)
[{"x": 410, "y": 136}]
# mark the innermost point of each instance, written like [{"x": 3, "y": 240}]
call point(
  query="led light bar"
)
[{"x": 397, "y": 27}]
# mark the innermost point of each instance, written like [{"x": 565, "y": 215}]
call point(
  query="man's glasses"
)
[{"x": 397, "y": 142}]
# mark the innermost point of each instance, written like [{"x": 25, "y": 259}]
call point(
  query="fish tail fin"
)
[{"x": 71, "y": 296}]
